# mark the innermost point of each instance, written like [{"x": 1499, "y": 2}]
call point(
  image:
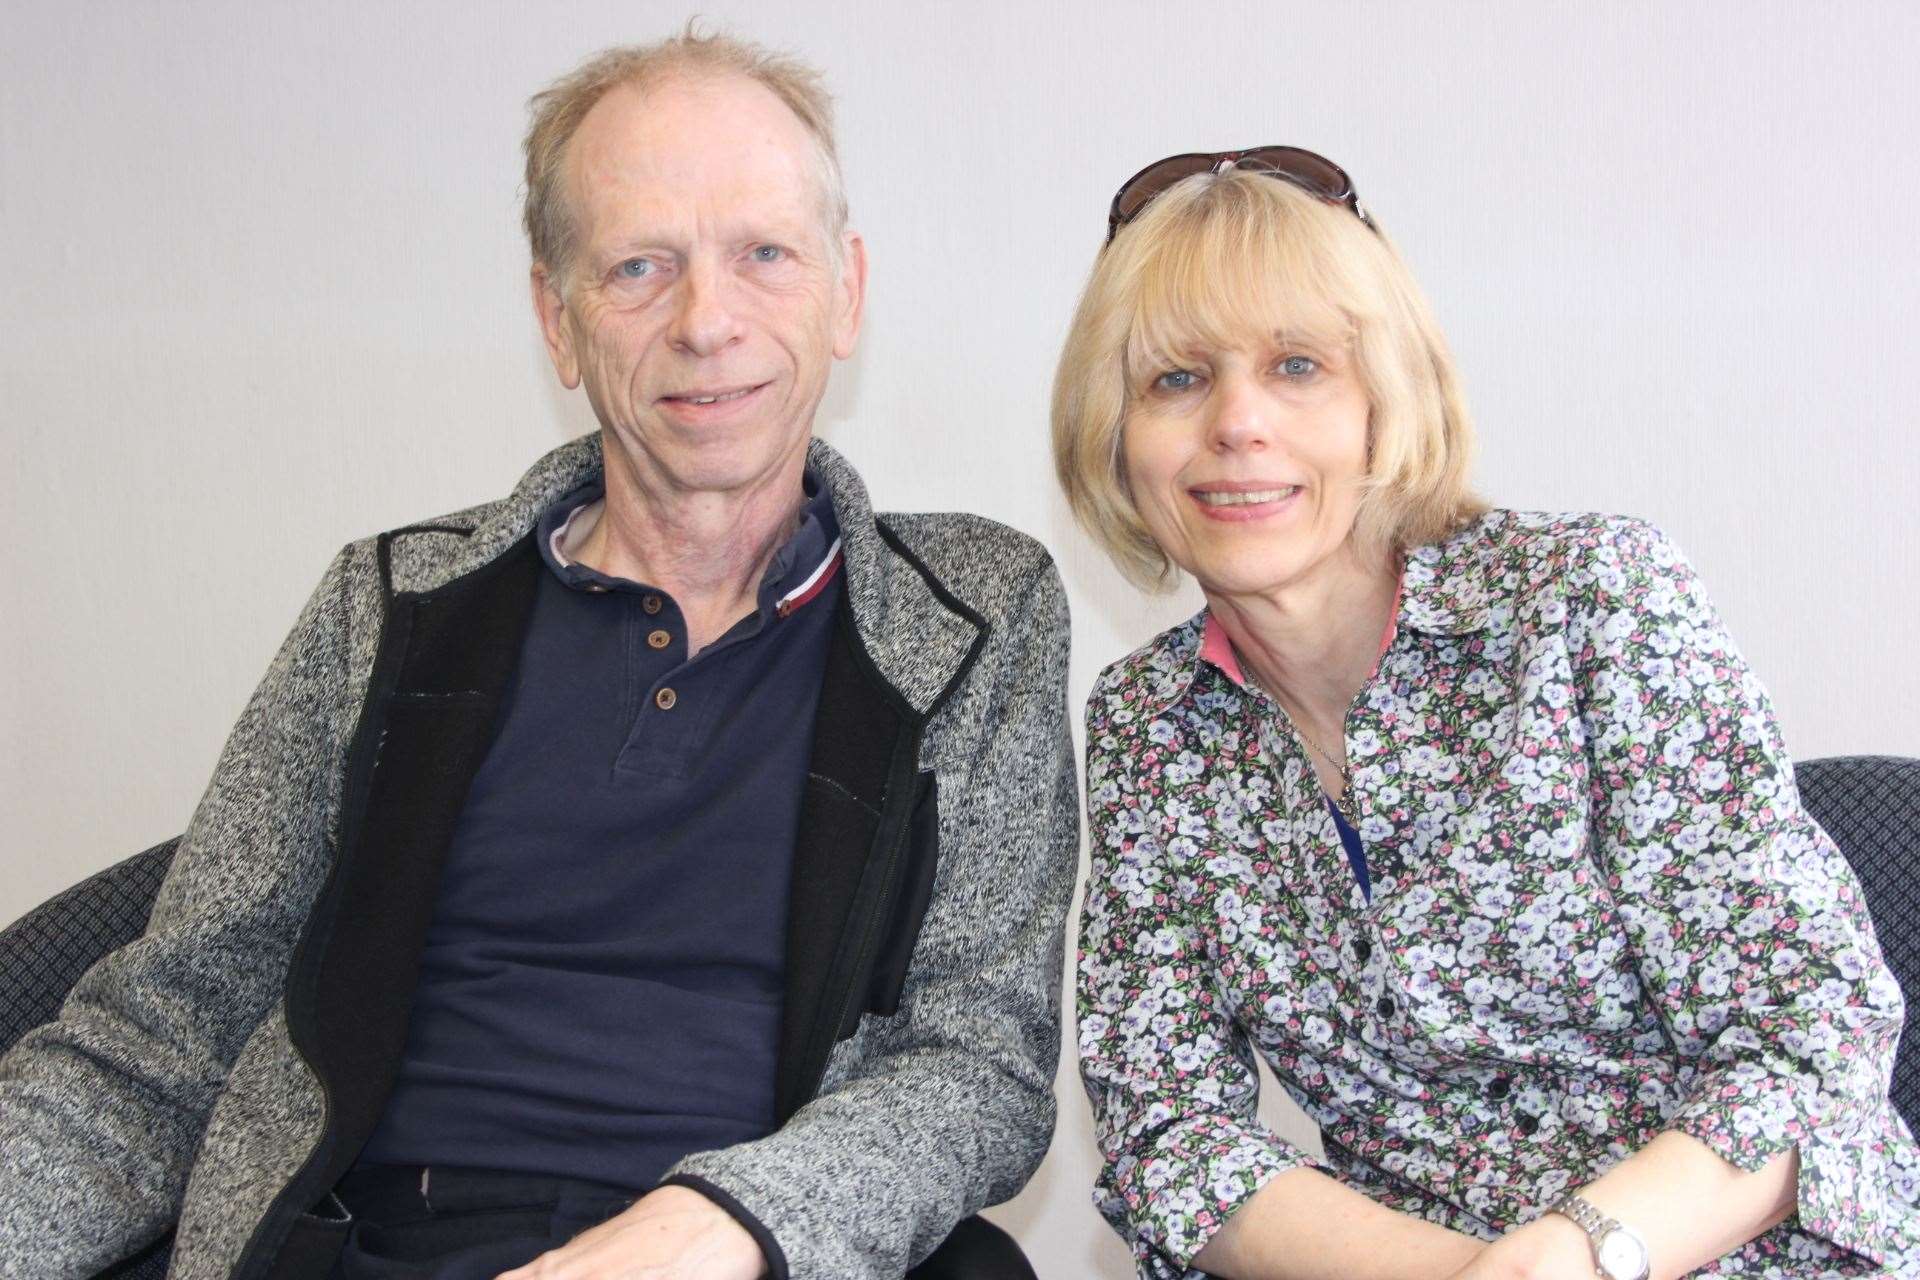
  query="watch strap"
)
[
  {"x": 1589, "y": 1218},
  {"x": 1596, "y": 1224}
]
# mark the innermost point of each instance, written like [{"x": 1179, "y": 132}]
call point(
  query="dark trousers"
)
[
  {"x": 411, "y": 1223},
  {"x": 469, "y": 1224}
]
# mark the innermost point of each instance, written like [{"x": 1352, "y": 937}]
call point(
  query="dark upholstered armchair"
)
[
  {"x": 1870, "y": 805},
  {"x": 44, "y": 953}
]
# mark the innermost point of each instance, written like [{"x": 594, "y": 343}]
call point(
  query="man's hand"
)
[{"x": 674, "y": 1233}]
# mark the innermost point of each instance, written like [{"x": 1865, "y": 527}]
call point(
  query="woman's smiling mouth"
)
[
  {"x": 1236, "y": 502},
  {"x": 1243, "y": 497}
]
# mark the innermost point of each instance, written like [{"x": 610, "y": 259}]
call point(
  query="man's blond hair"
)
[{"x": 560, "y": 107}]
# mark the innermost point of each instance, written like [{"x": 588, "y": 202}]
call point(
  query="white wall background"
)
[{"x": 262, "y": 291}]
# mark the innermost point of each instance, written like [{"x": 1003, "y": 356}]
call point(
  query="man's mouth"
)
[{"x": 713, "y": 397}]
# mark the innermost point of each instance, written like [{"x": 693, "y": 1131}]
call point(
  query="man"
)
[{"x": 659, "y": 871}]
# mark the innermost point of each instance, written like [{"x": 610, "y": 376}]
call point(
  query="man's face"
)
[{"x": 705, "y": 306}]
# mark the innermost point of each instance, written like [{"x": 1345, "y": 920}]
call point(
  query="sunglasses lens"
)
[
  {"x": 1154, "y": 179},
  {"x": 1317, "y": 174},
  {"x": 1314, "y": 174}
]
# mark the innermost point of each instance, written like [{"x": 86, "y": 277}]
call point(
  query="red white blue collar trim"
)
[{"x": 815, "y": 583}]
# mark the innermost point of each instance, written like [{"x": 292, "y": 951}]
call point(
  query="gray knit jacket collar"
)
[{"x": 919, "y": 660}]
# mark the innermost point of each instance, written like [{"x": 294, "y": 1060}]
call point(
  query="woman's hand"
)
[{"x": 1548, "y": 1248}]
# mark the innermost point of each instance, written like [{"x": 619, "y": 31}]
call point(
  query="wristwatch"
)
[{"x": 1618, "y": 1254}]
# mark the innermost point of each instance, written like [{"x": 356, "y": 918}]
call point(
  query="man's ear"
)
[
  {"x": 849, "y": 294},
  {"x": 550, "y": 307}
]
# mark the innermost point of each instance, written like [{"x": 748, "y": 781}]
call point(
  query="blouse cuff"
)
[
  {"x": 1749, "y": 1117},
  {"x": 1196, "y": 1176}
]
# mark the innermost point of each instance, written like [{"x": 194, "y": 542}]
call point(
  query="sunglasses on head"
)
[{"x": 1313, "y": 174}]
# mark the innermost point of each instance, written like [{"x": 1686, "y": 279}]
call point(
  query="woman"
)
[{"x": 1473, "y": 824}]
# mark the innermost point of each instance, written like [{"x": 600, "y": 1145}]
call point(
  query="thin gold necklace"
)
[
  {"x": 1345, "y": 803},
  {"x": 1345, "y": 800}
]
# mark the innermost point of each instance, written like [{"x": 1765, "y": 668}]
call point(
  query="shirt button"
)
[
  {"x": 652, "y": 604},
  {"x": 1362, "y": 950},
  {"x": 665, "y": 699},
  {"x": 1499, "y": 1087},
  {"x": 1528, "y": 1125},
  {"x": 659, "y": 639},
  {"x": 1385, "y": 1006}
]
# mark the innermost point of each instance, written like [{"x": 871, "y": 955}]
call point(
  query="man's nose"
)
[{"x": 704, "y": 321}]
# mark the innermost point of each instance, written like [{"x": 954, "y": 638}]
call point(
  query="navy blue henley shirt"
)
[{"x": 601, "y": 987}]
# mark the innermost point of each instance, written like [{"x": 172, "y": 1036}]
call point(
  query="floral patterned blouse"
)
[{"x": 1598, "y": 912}]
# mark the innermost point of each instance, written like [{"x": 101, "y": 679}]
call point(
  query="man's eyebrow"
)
[{"x": 628, "y": 246}]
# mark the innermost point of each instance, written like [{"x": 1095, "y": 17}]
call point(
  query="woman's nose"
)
[{"x": 1241, "y": 415}]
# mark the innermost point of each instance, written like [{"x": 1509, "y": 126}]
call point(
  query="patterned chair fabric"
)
[
  {"x": 1870, "y": 805},
  {"x": 43, "y": 954}
]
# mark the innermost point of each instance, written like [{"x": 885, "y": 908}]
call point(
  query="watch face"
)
[{"x": 1621, "y": 1255}]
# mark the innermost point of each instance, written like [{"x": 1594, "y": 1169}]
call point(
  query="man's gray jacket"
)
[{"x": 223, "y": 1070}]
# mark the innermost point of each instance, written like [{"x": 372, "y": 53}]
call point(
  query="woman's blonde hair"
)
[{"x": 1216, "y": 258}]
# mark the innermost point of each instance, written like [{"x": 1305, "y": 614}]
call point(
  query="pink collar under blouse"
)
[{"x": 1216, "y": 648}]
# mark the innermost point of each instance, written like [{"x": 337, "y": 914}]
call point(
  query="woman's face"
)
[{"x": 1246, "y": 461}]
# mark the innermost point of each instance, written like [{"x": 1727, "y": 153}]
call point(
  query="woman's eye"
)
[
  {"x": 634, "y": 269},
  {"x": 1299, "y": 366},
  {"x": 768, "y": 253},
  {"x": 1174, "y": 380}
]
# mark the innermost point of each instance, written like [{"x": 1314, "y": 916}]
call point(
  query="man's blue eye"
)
[
  {"x": 636, "y": 268},
  {"x": 768, "y": 253},
  {"x": 1298, "y": 366},
  {"x": 1174, "y": 380}
]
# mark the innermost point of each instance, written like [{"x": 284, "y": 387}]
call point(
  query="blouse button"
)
[
  {"x": 1385, "y": 1006},
  {"x": 652, "y": 604},
  {"x": 659, "y": 639},
  {"x": 1499, "y": 1087},
  {"x": 1528, "y": 1125},
  {"x": 1362, "y": 950},
  {"x": 665, "y": 699}
]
